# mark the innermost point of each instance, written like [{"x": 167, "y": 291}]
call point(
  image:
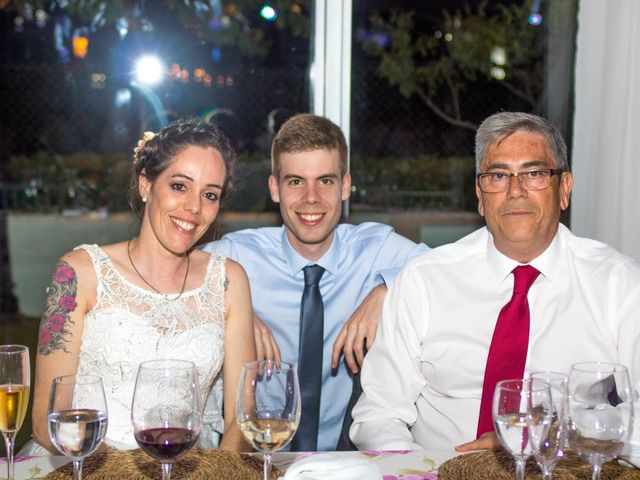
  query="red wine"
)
[{"x": 166, "y": 443}]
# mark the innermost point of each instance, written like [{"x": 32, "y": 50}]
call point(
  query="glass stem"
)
[
  {"x": 596, "y": 472},
  {"x": 267, "y": 466},
  {"x": 521, "y": 462},
  {"x": 166, "y": 470},
  {"x": 9, "y": 440},
  {"x": 77, "y": 470},
  {"x": 547, "y": 474}
]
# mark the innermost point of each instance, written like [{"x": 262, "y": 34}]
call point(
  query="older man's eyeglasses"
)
[{"x": 498, "y": 182}]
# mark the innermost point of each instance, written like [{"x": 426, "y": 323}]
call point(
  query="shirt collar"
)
[
  {"x": 296, "y": 262},
  {"x": 547, "y": 263}
]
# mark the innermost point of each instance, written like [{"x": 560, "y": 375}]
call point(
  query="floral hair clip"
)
[{"x": 146, "y": 136}]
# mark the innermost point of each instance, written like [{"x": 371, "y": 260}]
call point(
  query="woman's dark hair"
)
[{"x": 155, "y": 153}]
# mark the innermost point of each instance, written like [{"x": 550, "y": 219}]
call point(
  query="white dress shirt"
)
[{"x": 423, "y": 377}]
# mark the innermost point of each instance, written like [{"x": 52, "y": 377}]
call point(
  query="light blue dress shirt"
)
[{"x": 360, "y": 258}]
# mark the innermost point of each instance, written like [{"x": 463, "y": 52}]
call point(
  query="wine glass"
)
[
  {"x": 548, "y": 443},
  {"x": 77, "y": 417},
  {"x": 268, "y": 406},
  {"x": 600, "y": 411},
  {"x": 167, "y": 410},
  {"x": 15, "y": 376},
  {"x": 518, "y": 406}
]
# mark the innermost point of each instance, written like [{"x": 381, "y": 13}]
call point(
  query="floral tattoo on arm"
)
[{"x": 61, "y": 301}]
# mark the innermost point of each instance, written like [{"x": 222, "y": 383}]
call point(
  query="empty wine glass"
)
[
  {"x": 600, "y": 411},
  {"x": 167, "y": 410},
  {"x": 77, "y": 417},
  {"x": 15, "y": 377},
  {"x": 268, "y": 406},
  {"x": 548, "y": 443},
  {"x": 518, "y": 405}
]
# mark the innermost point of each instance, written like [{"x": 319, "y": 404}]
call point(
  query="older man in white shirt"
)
[{"x": 423, "y": 378}]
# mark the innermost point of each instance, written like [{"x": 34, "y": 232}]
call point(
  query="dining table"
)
[{"x": 394, "y": 465}]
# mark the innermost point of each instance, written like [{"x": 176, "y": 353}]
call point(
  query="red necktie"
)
[{"x": 508, "y": 350}]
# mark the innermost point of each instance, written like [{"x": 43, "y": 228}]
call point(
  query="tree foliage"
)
[
  {"x": 230, "y": 24},
  {"x": 440, "y": 64}
]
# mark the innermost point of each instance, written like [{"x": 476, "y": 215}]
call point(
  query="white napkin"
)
[{"x": 324, "y": 466}]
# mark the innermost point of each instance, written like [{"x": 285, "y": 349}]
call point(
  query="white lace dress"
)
[{"x": 130, "y": 324}]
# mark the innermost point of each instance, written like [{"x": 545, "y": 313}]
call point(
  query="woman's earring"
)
[{"x": 144, "y": 199}]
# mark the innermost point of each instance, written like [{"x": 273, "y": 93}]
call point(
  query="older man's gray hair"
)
[{"x": 500, "y": 125}]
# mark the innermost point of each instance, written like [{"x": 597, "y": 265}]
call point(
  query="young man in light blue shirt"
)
[{"x": 310, "y": 180}]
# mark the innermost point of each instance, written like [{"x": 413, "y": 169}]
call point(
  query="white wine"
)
[
  {"x": 13, "y": 406},
  {"x": 268, "y": 435},
  {"x": 77, "y": 433}
]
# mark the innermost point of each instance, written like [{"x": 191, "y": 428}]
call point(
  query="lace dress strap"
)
[
  {"x": 213, "y": 421},
  {"x": 216, "y": 276},
  {"x": 100, "y": 261}
]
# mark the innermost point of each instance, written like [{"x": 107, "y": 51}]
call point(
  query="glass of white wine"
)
[
  {"x": 268, "y": 406},
  {"x": 518, "y": 406},
  {"x": 77, "y": 417},
  {"x": 15, "y": 378}
]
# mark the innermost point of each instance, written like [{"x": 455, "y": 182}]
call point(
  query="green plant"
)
[
  {"x": 422, "y": 182},
  {"x": 444, "y": 62}
]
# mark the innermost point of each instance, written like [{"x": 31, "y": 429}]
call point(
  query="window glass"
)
[
  {"x": 79, "y": 84},
  {"x": 424, "y": 75}
]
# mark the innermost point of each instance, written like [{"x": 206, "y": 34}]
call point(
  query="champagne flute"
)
[
  {"x": 15, "y": 380},
  {"x": 77, "y": 417},
  {"x": 548, "y": 444},
  {"x": 518, "y": 405},
  {"x": 600, "y": 411},
  {"x": 167, "y": 410},
  {"x": 268, "y": 406}
]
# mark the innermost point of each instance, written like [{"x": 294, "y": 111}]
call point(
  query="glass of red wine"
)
[{"x": 167, "y": 410}]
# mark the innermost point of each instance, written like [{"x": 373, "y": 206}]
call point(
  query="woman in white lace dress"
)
[{"x": 109, "y": 308}]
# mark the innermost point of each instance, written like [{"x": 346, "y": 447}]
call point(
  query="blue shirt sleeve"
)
[{"x": 402, "y": 250}]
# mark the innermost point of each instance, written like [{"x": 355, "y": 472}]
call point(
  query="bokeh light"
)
[
  {"x": 41, "y": 18},
  {"x": 122, "y": 98},
  {"x": 98, "y": 80},
  {"x": 535, "y": 19},
  {"x": 149, "y": 70},
  {"x": 499, "y": 56},
  {"x": 122, "y": 26},
  {"x": 498, "y": 73},
  {"x": 268, "y": 13},
  {"x": 80, "y": 46},
  {"x": 18, "y": 24}
]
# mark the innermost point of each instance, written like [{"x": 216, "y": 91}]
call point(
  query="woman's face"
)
[{"x": 185, "y": 198}]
